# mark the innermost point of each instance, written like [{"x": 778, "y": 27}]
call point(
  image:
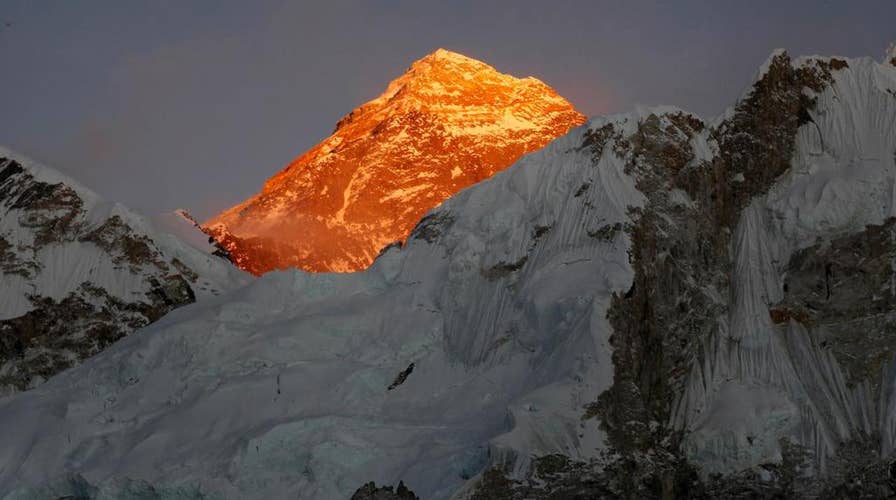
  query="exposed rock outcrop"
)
[{"x": 370, "y": 492}]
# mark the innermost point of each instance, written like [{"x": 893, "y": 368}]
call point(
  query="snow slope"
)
[{"x": 280, "y": 388}]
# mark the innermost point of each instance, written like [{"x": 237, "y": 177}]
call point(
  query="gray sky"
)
[{"x": 174, "y": 103}]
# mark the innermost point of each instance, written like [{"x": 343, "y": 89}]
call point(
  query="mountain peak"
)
[
  {"x": 446, "y": 55},
  {"x": 449, "y": 84},
  {"x": 446, "y": 123},
  {"x": 447, "y": 74},
  {"x": 444, "y": 59}
]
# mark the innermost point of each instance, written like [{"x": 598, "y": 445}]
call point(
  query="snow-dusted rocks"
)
[
  {"x": 77, "y": 273},
  {"x": 449, "y": 122}
]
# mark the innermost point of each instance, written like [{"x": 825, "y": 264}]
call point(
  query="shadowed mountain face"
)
[{"x": 447, "y": 123}]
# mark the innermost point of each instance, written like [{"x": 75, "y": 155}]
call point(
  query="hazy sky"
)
[{"x": 167, "y": 104}]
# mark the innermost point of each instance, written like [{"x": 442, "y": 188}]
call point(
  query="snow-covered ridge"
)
[
  {"x": 64, "y": 250},
  {"x": 484, "y": 331}
]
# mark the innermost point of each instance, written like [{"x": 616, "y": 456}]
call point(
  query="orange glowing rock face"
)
[{"x": 447, "y": 123}]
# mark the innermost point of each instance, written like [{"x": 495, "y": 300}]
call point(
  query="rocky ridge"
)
[{"x": 79, "y": 273}]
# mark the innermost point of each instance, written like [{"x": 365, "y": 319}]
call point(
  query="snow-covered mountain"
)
[
  {"x": 448, "y": 122},
  {"x": 78, "y": 273},
  {"x": 652, "y": 306}
]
